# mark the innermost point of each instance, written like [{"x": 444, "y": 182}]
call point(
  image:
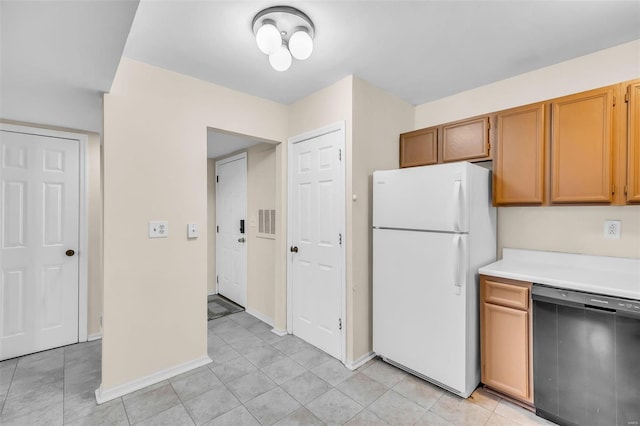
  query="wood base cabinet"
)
[{"x": 505, "y": 342}]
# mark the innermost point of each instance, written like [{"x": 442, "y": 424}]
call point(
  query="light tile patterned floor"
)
[{"x": 256, "y": 378}]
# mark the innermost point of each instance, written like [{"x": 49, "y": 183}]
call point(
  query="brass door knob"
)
[{"x": 69, "y": 253}]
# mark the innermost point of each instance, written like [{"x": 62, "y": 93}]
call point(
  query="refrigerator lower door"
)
[{"x": 420, "y": 309}]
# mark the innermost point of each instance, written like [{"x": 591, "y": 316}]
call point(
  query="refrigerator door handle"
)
[
  {"x": 457, "y": 263},
  {"x": 457, "y": 217}
]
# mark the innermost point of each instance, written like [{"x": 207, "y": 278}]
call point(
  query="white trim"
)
[
  {"x": 83, "y": 222},
  {"x": 335, "y": 127},
  {"x": 354, "y": 365},
  {"x": 260, "y": 316},
  {"x": 279, "y": 332},
  {"x": 94, "y": 336},
  {"x": 105, "y": 395}
]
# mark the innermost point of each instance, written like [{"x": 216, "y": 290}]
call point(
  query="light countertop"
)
[{"x": 614, "y": 276}]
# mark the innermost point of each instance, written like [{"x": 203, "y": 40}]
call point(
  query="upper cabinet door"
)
[
  {"x": 519, "y": 156},
  {"x": 582, "y": 140},
  {"x": 466, "y": 140},
  {"x": 419, "y": 148},
  {"x": 633, "y": 143}
]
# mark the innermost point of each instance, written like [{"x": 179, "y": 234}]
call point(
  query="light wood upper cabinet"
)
[
  {"x": 582, "y": 141},
  {"x": 519, "y": 157},
  {"x": 633, "y": 142},
  {"x": 419, "y": 148},
  {"x": 465, "y": 140},
  {"x": 505, "y": 337}
]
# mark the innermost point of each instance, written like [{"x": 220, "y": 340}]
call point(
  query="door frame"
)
[
  {"x": 246, "y": 192},
  {"x": 340, "y": 128},
  {"x": 83, "y": 222}
]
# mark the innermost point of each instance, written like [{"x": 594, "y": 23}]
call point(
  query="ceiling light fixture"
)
[{"x": 283, "y": 32}]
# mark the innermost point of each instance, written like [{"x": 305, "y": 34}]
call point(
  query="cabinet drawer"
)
[{"x": 506, "y": 295}]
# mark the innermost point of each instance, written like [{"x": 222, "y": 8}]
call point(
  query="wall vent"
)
[{"x": 266, "y": 223}]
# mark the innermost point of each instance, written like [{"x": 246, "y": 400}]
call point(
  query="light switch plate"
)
[
  {"x": 158, "y": 229},
  {"x": 192, "y": 230}
]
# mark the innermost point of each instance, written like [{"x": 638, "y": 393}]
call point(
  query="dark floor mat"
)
[{"x": 219, "y": 306}]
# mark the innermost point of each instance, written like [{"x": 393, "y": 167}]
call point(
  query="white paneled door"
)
[
  {"x": 316, "y": 236},
  {"x": 231, "y": 237},
  {"x": 39, "y": 240}
]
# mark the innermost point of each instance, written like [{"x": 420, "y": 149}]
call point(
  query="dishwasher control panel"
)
[{"x": 543, "y": 292}]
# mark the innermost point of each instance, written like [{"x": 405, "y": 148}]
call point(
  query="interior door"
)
[
  {"x": 317, "y": 221},
  {"x": 39, "y": 237},
  {"x": 231, "y": 212}
]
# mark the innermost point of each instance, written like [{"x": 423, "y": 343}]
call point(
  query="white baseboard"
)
[
  {"x": 94, "y": 336},
  {"x": 353, "y": 365},
  {"x": 260, "y": 316},
  {"x": 279, "y": 332},
  {"x": 105, "y": 395}
]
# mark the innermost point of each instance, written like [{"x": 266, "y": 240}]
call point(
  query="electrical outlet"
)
[
  {"x": 158, "y": 229},
  {"x": 612, "y": 229}
]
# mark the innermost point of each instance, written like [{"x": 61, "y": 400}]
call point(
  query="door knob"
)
[
  {"x": 294, "y": 249},
  {"x": 69, "y": 253},
  {"x": 241, "y": 240}
]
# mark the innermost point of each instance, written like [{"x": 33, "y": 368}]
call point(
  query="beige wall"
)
[
  {"x": 378, "y": 119},
  {"x": 563, "y": 228},
  {"x": 155, "y": 160},
  {"x": 94, "y": 223},
  {"x": 261, "y": 259},
  {"x": 571, "y": 229}
]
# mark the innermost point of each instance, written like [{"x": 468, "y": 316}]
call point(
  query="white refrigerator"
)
[{"x": 433, "y": 227}]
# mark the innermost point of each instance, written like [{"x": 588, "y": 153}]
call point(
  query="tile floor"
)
[{"x": 256, "y": 378}]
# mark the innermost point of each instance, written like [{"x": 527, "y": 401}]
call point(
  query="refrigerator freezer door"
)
[
  {"x": 431, "y": 198},
  {"x": 419, "y": 304}
]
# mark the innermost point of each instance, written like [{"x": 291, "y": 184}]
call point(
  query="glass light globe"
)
[
  {"x": 301, "y": 45},
  {"x": 268, "y": 38},
  {"x": 281, "y": 60}
]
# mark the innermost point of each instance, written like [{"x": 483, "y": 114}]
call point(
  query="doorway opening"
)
[{"x": 241, "y": 237}]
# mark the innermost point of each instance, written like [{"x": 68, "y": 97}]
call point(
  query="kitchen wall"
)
[
  {"x": 155, "y": 130},
  {"x": 94, "y": 224},
  {"x": 562, "y": 228},
  {"x": 378, "y": 119}
]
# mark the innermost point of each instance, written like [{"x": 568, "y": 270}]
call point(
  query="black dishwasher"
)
[{"x": 586, "y": 357}]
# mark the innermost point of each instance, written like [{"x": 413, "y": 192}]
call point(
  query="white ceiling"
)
[
  {"x": 58, "y": 57},
  {"x": 417, "y": 50}
]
